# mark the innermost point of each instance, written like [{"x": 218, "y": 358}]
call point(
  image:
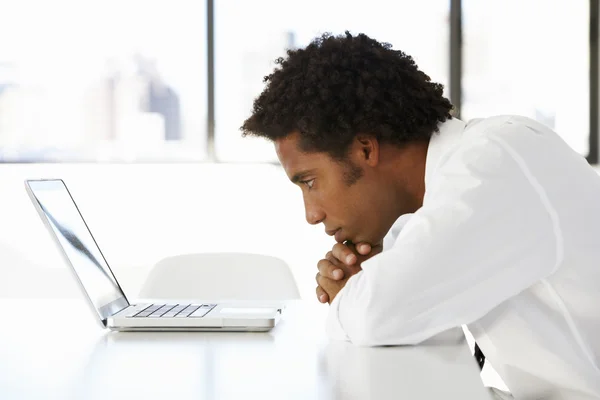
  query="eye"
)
[{"x": 308, "y": 183}]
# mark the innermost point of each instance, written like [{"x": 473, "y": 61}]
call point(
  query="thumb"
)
[{"x": 363, "y": 248}]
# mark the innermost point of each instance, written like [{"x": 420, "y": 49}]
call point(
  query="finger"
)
[
  {"x": 319, "y": 278},
  {"x": 330, "y": 270},
  {"x": 344, "y": 254},
  {"x": 322, "y": 295},
  {"x": 329, "y": 256},
  {"x": 330, "y": 286},
  {"x": 363, "y": 248},
  {"x": 338, "y": 269}
]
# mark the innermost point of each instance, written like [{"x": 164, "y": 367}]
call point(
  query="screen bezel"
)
[{"x": 105, "y": 310}]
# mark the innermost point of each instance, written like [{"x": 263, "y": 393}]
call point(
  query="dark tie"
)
[{"x": 479, "y": 356}]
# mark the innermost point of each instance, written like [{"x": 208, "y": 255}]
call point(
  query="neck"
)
[{"x": 405, "y": 167}]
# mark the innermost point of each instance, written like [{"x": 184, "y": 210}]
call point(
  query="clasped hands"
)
[{"x": 343, "y": 261}]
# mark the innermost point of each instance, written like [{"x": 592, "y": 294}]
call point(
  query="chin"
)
[
  {"x": 370, "y": 240},
  {"x": 359, "y": 239},
  {"x": 364, "y": 238}
]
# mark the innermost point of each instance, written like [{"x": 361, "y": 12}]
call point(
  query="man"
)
[{"x": 504, "y": 235}]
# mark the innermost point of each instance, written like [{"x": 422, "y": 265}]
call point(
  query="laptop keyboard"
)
[{"x": 175, "y": 311}]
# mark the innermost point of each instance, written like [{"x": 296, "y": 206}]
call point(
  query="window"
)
[
  {"x": 530, "y": 58},
  {"x": 110, "y": 80},
  {"x": 250, "y": 35},
  {"x": 91, "y": 80}
]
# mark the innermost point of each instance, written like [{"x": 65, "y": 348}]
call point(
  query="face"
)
[{"x": 353, "y": 199}]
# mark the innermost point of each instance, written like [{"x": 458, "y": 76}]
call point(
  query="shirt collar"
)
[{"x": 449, "y": 134}]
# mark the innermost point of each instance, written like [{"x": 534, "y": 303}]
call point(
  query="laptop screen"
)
[{"x": 78, "y": 245}]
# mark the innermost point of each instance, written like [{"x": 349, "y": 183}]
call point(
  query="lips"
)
[
  {"x": 332, "y": 231},
  {"x": 337, "y": 234}
]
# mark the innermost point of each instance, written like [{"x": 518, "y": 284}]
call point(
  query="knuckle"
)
[
  {"x": 338, "y": 252},
  {"x": 320, "y": 280},
  {"x": 331, "y": 259},
  {"x": 346, "y": 250},
  {"x": 323, "y": 265}
]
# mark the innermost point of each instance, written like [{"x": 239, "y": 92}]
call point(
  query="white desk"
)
[{"x": 46, "y": 355}]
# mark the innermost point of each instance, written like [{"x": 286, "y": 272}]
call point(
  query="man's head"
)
[{"x": 351, "y": 119}]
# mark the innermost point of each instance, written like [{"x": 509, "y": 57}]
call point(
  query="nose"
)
[{"x": 314, "y": 214}]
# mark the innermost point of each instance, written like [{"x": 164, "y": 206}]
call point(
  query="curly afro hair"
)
[{"x": 339, "y": 86}]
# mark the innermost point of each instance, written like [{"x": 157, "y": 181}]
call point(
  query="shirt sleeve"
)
[{"x": 486, "y": 232}]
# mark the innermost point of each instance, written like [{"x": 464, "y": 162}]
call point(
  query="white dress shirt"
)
[{"x": 507, "y": 242}]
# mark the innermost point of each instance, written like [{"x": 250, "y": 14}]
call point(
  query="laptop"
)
[{"x": 63, "y": 219}]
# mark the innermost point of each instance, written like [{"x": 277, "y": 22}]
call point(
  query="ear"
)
[{"x": 367, "y": 149}]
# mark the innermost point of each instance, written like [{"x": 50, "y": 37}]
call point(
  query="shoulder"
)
[
  {"x": 505, "y": 137},
  {"x": 509, "y": 129},
  {"x": 498, "y": 146}
]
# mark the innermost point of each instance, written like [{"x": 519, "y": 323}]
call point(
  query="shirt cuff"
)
[{"x": 333, "y": 325}]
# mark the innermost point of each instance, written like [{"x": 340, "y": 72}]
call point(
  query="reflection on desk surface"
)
[{"x": 77, "y": 360}]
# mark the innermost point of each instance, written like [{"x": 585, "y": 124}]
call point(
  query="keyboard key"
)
[
  {"x": 190, "y": 309},
  {"x": 158, "y": 313},
  {"x": 145, "y": 307},
  {"x": 174, "y": 311},
  {"x": 202, "y": 311},
  {"x": 147, "y": 311},
  {"x": 143, "y": 314},
  {"x": 199, "y": 313},
  {"x": 134, "y": 309}
]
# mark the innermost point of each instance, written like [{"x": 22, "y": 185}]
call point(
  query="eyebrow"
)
[{"x": 298, "y": 177}]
